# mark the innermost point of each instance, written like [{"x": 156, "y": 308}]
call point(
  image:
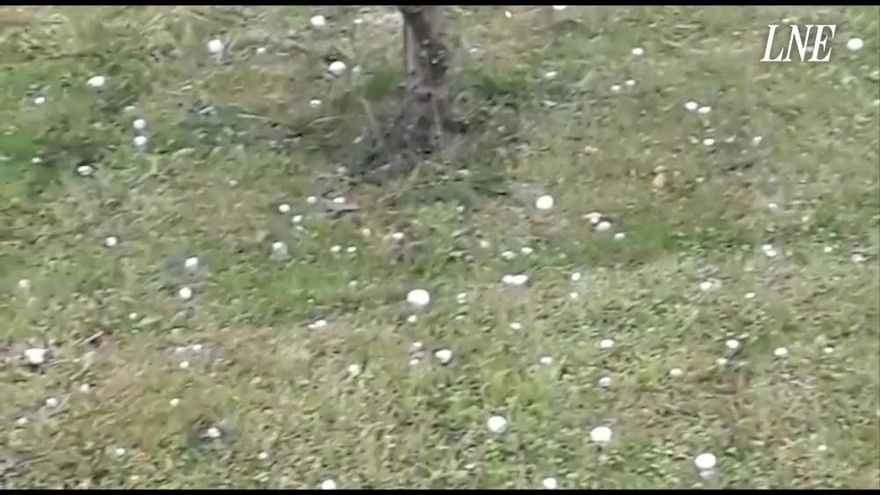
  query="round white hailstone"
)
[
  {"x": 601, "y": 435},
  {"x": 318, "y": 325},
  {"x": 139, "y": 124},
  {"x": 21, "y": 421},
  {"x": 185, "y": 293},
  {"x": 544, "y": 202},
  {"x": 704, "y": 110},
  {"x": 526, "y": 250},
  {"x": 36, "y": 356},
  {"x": 549, "y": 483},
  {"x": 507, "y": 14},
  {"x": 335, "y": 249},
  {"x": 184, "y": 365},
  {"x": 261, "y": 50},
  {"x": 358, "y": 21},
  {"x": 822, "y": 448},
  {"x": 96, "y": 82},
  {"x": 174, "y": 402},
  {"x": 416, "y": 346},
  {"x": 119, "y": 452},
  {"x": 191, "y": 263},
  {"x": 854, "y": 44},
  {"x": 750, "y": 295},
  {"x": 52, "y": 402},
  {"x": 515, "y": 280},
  {"x": 828, "y": 350},
  {"x": 508, "y": 255},
  {"x": 827, "y": 249},
  {"x": 780, "y": 352},
  {"x": 516, "y": 326},
  {"x": 263, "y": 456},
  {"x": 630, "y": 82},
  {"x": 140, "y": 141},
  {"x": 605, "y": 381},
  {"x": 772, "y": 206},
  {"x": 545, "y": 360},
  {"x": 397, "y": 236},
  {"x": 691, "y": 106},
  {"x": 769, "y": 250},
  {"x": 354, "y": 370},
  {"x": 337, "y": 68},
  {"x": 705, "y": 461},
  {"x": 732, "y": 344},
  {"x": 418, "y": 297},
  {"x": 318, "y": 21},
  {"x": 638, "y": 51},
  {"x": 85, "y": 170},
  {"x": 414, "y": 361},
  {"x": 857, "y": 258},
  {"x": 284, "y": 208},
  {"x": 615, "y": 88},
  {"x": 85, "y": 388},
  {"x": 496, "y": 424},
  {"x": 213, "y": 433},
  {"x": 676, "y": 372},
  {"x": 721, "y": 361},
  {"x": 443, "y": 355},
  {"x": 560, "y": 8},
  {"x": 551, "y": 74},
  {"x": 603, "y": 226},
  {"x": 215, "y": 46},
  {"x": 757, "y": 140},
  {"x": 412, "y": 319},
  {"x": 461, "y": 298},
  {"x": 315, "y": 103},
  {"x": 111, "y": 241},
  {"x": 311, "y": 200},
  {"x": 296, "y": 219},
  {"x": 366, "y": 232},
  {"x": 328, "y": 485},
  {"x": 233, "y": 182},
  {"x": 339, "y": 200},
  {"x": 39, "y": 100},
  {"x": 574, "y": 296},
  {"x": 706, "y": 285},
  {"x": 36, "y": 160},
  {"x": 709, "y": 142},
  {"x": 575, "y": 277},
  {"x": 484, "y": 244},
  {"x": 606, "y": 344},
  {"x": 197, "y": 347},
  {"x": 619, "y": 236}
]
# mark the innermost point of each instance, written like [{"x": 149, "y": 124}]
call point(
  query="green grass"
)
[{"x": 209, "y": 182}]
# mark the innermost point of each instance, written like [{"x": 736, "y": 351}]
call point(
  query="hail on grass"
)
[{"x": 496, "y": 424}]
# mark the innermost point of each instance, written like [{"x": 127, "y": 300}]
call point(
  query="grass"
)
[{"x": 230, "y": 140}]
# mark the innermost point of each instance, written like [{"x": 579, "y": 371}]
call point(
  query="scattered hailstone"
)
[
  {"x": 328, "y": 485},
  {"x": 36, "y": 356},
  {"x": 705, "y": 462},
  {"x": 418, "y": 297},
  {"x": 605, "y": 381},
  {"x": 526, "y": 250},
  {"x": 822, "y": 448},
  {"x": 318, "y": 325},
  {"x": 263, "y": 456},
  {"x": 550, "y": 74},
  {"x": 559, "y": 8},
  {"x": 516, "y": 326},
  {"x": 603, "y": 226},
  {"x": 461, "y": 298},
  {"x": 676, "y": 372},
  {"x": 858, "y": 258},
  {"x": 619, "y": 236},
  {"x": 140, "y": 141},
  {"x": 261, "y": 50},
  {"x": 315, "y": 103},
  {"x": 750, "y": 295},
  {"x": 780, "y": 352},
  {"x": 706, "y": 285},
  {"x": 854, "y": 44},
  {"x": 24, "y": 284},
  {"x": 606, "y": 344},
  {"x": 630, "y": 82},
  {"x": 213, "y": 433},
  {"x": 496, "y": 424},
  {"x": 507, "y": 14},
  {"x": 828, "y": 350},
  {"x": 284, "y": 208},
  {"x": 545, "y": 360},
  {"x": 515, "y": 280},
  {"x": 691, "y": 106},
  {"x": 769, "y": 250},
  {"x": 21, "y": 421},
  {"x": 397, "y": 236},
  {"x": 311, "y": 200},
  {"x": 732, "y": 344},
  {"x": 412, "y": 319},
  {"x": 139, "y": 124},
  {"x": 39, "y": 100},
  {"x": 827, "y": 249},
  {"x": 593, "y": 217},
  {"x": 704, "y": 110},
  {"x": 339, "y": 200},
  {"x": 215, "y": 46},
  {"x": 354, "y": 370},
  {"x": 708, "y": 142},
  {"x": 335, "y": 248},
  {"x": 85, "y": 170},
  {"x": 318, "y": 21},
  {"x": 184, "y": 365},
  {"x": 351, "y": 249},
  {"x": 615, "y": 88},
  {"x": 96, "y": 82},
  {"x": 600, "y": 435},
  {"x": 52, "y": 402},
  {"x": 296, "y": 219},
  {"x": 85, "y": 388},
  {"x": 36, "y": 160},
  {"x": 111, "y": 241},
  {"x": 337, "y": 67},
  {"x": 757, "y": 140},
  {"x": 508, "y": 255},
  {"x": 638, "y": 51},
  {"x": 544, "y": 202},
  {"x": 119, "y": 452},
  {"x": 191, "y": 264},
  {"x": 721, "y": 361},
  {"x": 174, "y": 402},
  {"x": 576, "y": 277},
  {"x": 185, "y": 293},
  {"x": 443, "y": 355}
]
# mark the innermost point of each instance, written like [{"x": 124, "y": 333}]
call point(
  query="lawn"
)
[{"x": 194, "y": 294}]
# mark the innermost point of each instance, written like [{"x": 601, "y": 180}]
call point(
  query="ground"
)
[{"x": 767, "y": 236}]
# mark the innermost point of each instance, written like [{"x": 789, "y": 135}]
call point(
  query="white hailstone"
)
[
  {"x": 600, "y": 435},
  {"x": 750, "y": 295},
  {"x": 605, "y": 381},
  {"x": 263, "y": 456},
  {"x": 691, "y": 106},
  {"x": 550, "y": 74},
  {"x": 615, "y": 88},
  {"x": 366, "y": 232},
  {"x": 769, "y": 250},
  {"x": 638, "y": 51},
  {"x": 191, "y": 264},
  {"x": 261, "y": 50},
  {"x": 732, "y": 344},
  {"x": 85, "y": 170},
  {"x": 354, "y": 370},
  {"x": 185, "y": 293},
  {"x": 283, "y": 208},
  {"x": 575, "y": 277},
  {"x": 721, "y": 361},
  {"x": 412, "y": 319},
  {"x": 328, "y": 485},
  {"x": 358, "y": 21},
  {"x": 705, "y": 461},
  {"x": 174, "y": 402},
  {"x": 318, "y": 21},
  {"x": 676, "y": 372},
  {"x": 526, "y": 250},
  {"x": 574, "y": 296},
  {"x": 85, "y": 388},
  {"x": 52, "y": 402},
  {"x": 854, "y": 44},
  {"x": 630, "y": 82},
  {"x": 351, "y": 249},
  {"x": 704, "y": 110},
  {"x": 603, "y": 226},
  {"x": 780, "y": 352},
  {"x": 96, "y": 82},
  {"x": 544, "y": 202},
  {"x": 515, "y": 280},
  {"x": 857, "y": 258},
  {"x": 822, "y": 448},
  {"x": 757, "y": 140},
  {"x": 418, "y": 297},
  {"x": 496, "y": 424},
  {"x": 36, "y": 356},
  {"x": 119, "y": 452},
  {"x": 318, "y": 325},
  {"x": 39, "y": 100},
  {"x": 414, "y": 361},
  {"x": 311, "y": 200},
  {"x": 315, "y": 103},
  {"x": 140, "y": 141},
  {"x": 708, "y": 142},
  {"x": 706, "y": 285},
  {"x": 21, "y": 421},
  {"x": 772, "y": 206},
  {"x": 560, "y": 8},
  {"x": 215, "y": 46},
  {"x": 111, "y": 241},
  {"x": 593, "y": 217},
  {"x": 828, "y": 350},
  {"x": 516, "y": 326},
  {"x": 36, "y": 160},
  {"x": 233, "y": 182},
  {"x": 545, "y": 360},
  {"x": 827, "y": 249},
  {"x": 606, "y": 344},
  {"x": 461, "y": 298},
  {"x": 397, "y": 236},
  {"x": 484, "y": 244},
  {"x": 129, "y": 109},
  {"x": 296, "y": 219},
  {"x": 443, "y": 355},
  {"x": 184, "y": 365},
  {"x": 139, "y": 124},
  {"x": 508, "y": 255},
  {"x": 335, "y": 249},
  {"x": 619, "y": 236},
  {"x": 507, "y": 14},
  {"x": 197, "y": 347},
  {"x": 337, "y": 68},
  {"x": 549, "y": 483},
  {"x": 213, "y": 433},
  {"x": 416, "y": 346}
]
